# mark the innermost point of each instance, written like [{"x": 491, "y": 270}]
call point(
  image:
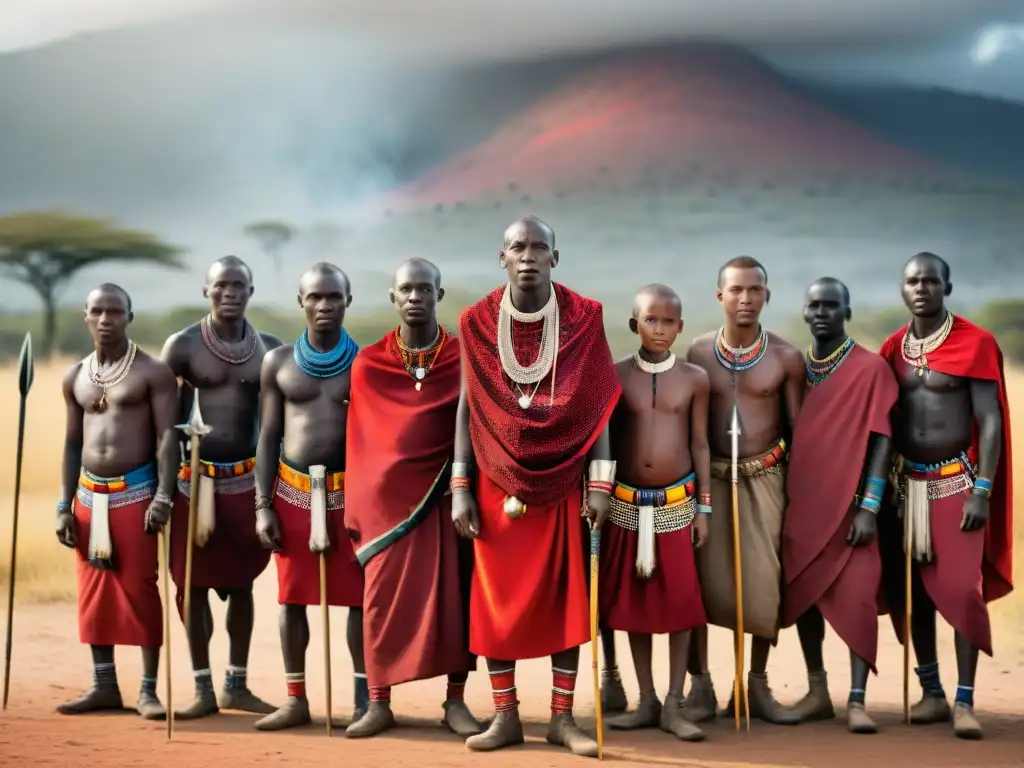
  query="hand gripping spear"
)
[
  {"x": 26, "y": 372},
  {"x": 196, "y": 429},
  {"x": 739, "y": 689}
]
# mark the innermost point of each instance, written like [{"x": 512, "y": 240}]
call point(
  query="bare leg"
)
[
  {"x": 204, "y": 702},
  {"x": 673, "y": 718},
  {"x": 613, "y": 695},
  {"x": 562, "y": 730},
  {"x": 294, "y": 629},
  {"x": 354, "y": 635},
  {"x": 965, "y": 725},
  {"x": 149, "y": 706},
  {"x": 817, "y": 703},
  {"x": 648, "y": 711},
  {"x": 506, "y": 729},
  {"x": 240, "y": 618},
  {"x": 701, "y": 704},
  {"x": 857, "y": 720},
  {"x": 105, "y": 694},
  {"x": 933, "y": 707}
]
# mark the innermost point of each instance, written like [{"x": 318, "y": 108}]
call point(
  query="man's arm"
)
[
  {"x": 700, "y": 449},
  {"x": 71, "y": 464},
  {"x": 463, "y": 448},
  {"x": 163, "y": 402},
  {"x": 989, "y": 415},
  {"x": 175, "y": 355},
  {"x": 795, "y": 385},
  {"x": 268, "y": 448}
]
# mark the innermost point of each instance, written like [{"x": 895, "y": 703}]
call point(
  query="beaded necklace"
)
[
  {"x": 221, "y": 349},
  {"x": 547, "y": 356},
  {"x": 113, "y": 375},
  {"x": 915, "y": 351},
  {"x": 324, "y": 365},
  {"x": 737, "y": 359},
  {"x": 419, "y": 361},
  {"x": 819, "y": 370},
  {"x": 654, "y": 369}
]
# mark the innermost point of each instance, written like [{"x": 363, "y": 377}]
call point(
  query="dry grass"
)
[{"x": 46, "y": 569}]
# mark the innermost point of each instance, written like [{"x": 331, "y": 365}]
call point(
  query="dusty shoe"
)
[
  {"x": 763, "y": 705},
  {"x": 965, "y": 724},
  {"x": 203, "y": 705},
  {"x": 294, "y": 712},
  {"x": 378, "y": 718},
  {"x": 701, "y": 705},
  {"x": 96, "y": 699},
  {"x": 930, "y": 709},
  {"x": 460, "y": 720},
  {"x": 506, "y": 730},
  {"x": 563, "y": 732},
  {"x": 673, "y": 721},
  {"x": 857, "y": 719},
  {"x": 149, "y": 707},
  {"x": 243, "y": 700},
  {"x": 817, "y": 703},
  {"x": 613, "y": 695},
  {"x": 646, "y": 715}
]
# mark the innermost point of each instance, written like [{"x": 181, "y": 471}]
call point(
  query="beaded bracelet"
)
[
  {"x": 870, "y": 503},
  {"x": 599, "y": 486},
  {"x": 704, "y": 499},
  {"x": 982, "y": 487},
  {"x": 264, "y": 502},
  {"x": 459, "y": 483},
  {"x": 704, "y": 509},
  {"x": 63, "y": 508}
]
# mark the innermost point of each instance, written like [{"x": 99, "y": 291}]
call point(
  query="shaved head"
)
[
  {"x": 655, "y": 292},
  {"x": 323, "y": 269},
  {"x": 110, "y": 289},
  {"x": 530, "y": 222},
  {"x": 742, "y": 262},
  {"x": 832, "y": 282},
  {"x": 938, "y": 261},
  {"x": 416, "y": 267},
  {"x": 227, "y": 262}
]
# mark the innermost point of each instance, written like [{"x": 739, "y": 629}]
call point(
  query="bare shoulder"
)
[
  {"x": 154, "y": 369},
  {"x": 788, "y": 353},
  {"x": 276, "y": 357},
  {"x": 270, "y": 341},
  {"x": 178, "y": 347},
  {"x": 68, "y": 382},
  {"x": 701, "y": 347},
  {"x": 697, "y": 376}
]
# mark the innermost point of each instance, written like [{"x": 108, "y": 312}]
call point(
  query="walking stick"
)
[
  {"x": 326, "y": 614},
  {"x": 196, "y": 429},
  {"x": 595, "y": 561},
  {"x": 26, "y": 372},
  {"x": 166, "y": 547},
  {"x": 908, "y": 530},
  {"x": 739, "y": 689}
]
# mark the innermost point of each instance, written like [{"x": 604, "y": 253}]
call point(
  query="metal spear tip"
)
[
  {"x": 196, "y": 427},
  {"x": 26, "y": 366},
  {"x": 734, "y": 428}
]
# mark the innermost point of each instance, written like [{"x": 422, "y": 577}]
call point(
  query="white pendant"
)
[
  {"x": 421, "y": 373},
  {"x": 524, "y": 402}
]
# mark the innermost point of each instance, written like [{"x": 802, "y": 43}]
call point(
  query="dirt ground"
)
[{"x": 50, "y": 666}]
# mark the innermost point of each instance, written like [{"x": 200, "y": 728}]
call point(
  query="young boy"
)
[{"x": 659, "y": 508}]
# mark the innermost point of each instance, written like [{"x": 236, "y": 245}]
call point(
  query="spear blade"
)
[{"x": 26, "y": 366}]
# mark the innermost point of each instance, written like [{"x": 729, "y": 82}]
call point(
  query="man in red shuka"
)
[
  {"x": 539, "y": 386},
  {"x": 401, "y": 433},
  {"x": 837, "y": 470},
  {"x": 951, "y": 433}
]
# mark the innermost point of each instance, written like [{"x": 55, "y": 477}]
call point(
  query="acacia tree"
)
[
  {"x": 45, "y": 249},
  {"x": 272, "y": 236}
]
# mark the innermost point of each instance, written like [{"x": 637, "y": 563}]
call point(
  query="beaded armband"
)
[
  {"x": 871, "y": 500},
  {"x": 982, "y": 487},
  {"x": 460, "y": 477},
  {"x": 264, "y": 502},
  {"x": 601, "y": 476},
  {"x": 63, "y": 508}
]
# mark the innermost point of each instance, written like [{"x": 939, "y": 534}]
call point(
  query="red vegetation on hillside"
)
[{"x": 714, "y": 111}]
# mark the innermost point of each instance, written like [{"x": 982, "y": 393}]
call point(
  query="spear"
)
[
  {"x": 26, "y": 372},
  {"x": 739, "y": 689},
  {"x": 595, "y": 559}
]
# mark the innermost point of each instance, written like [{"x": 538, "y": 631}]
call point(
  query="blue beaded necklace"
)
[{"x": 324, "y": 365}]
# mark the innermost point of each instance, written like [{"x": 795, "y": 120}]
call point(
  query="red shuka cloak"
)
[
  {"x": 972, "y": 352},
  {"x": 826, "y": 464},
  {"x": 538, "y": 454},
  {"x": 399, "y": 449}
]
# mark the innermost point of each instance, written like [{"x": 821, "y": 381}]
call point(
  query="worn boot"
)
[
  {"x": 817, "y": 703},
  {"x": 506, "y": 730},
  {"x": 930, "y": 709},
  {"x": 148, "y": 706},
  {"x": 237, "y": 696},
  {"x": 378, "y": 718},
  {"x": 203, "y": 704},
  {"x": 673, "y": 720},
  {"x": 294, "y": 712},
  {"x": 646, "y": 715},
  {"x": 563, "y": 732},
  {"x": 105, "y": 698},
  {"x": 763, "y": 705},
  {"x": 965, "y": 724},
  {"x": 858, "y": 720},
  {"x": 460, "y": 720},
  {"x": 701, "y": 705},
  {"x": 613, "y": 694}
]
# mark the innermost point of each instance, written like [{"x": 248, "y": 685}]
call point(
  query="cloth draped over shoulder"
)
[
  {"x": 538, "y": 454},
  {"x": 972, "y": 352},
  {"x": 399, "y": 444}
]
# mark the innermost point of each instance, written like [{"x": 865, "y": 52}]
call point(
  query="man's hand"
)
[
  {"x": 862, "y": 529},
  {"x": 314, "y": 548},
  {"x": 975, "y": 512},
  {"x": 701, "y": 530},
  {"x": 465, "y": 515},
  {"x": 267, "y": 529},
  {"x": 157, "y": 514},
  {"x": 599, "y": 505},
  {"x": 66, "y": 529}
]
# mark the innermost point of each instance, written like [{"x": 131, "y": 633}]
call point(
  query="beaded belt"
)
[
  {"x": 230, "y": 478},
  {"x": 769, "y": 462},
  {"x": 138, "y": 485},
  {"x": 644, "y": 497},
  {"x": 676, "y": 511},
  {"x": 956, "y": 475},
  {"x": 293, "y": 487}
]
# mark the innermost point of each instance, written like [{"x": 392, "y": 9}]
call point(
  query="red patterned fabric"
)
[{"x": 538, "y": 454}]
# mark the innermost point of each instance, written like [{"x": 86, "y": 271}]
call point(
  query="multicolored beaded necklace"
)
[
  {"x": 222, "y": 349},
  {"x": 419, "y": 361},
  {"x": 324, "y": 365},
  {"x": 915, "y": 351},
  {"x": 819, "y": 370},
  {"x": 737, "y": 359}
]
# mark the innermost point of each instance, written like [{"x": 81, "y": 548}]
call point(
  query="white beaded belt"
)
[
  {"x": 302, "y": 499},
  {"x": 668, "y": 519},
  {"x": 123, "y": 498},
  {"x": 941, "y": 487},
  {"x": 225, "y": 485}
]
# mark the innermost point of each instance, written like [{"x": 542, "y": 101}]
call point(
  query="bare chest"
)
[
  {"x": 763, "y": 381},
  {"x": 299, "y": 388},
  {"x": 207, "y": 370},
  {"x": 662, "y": 392},
  {"x": 127, "y": 394},
  {"x": 918, "y": 381}
]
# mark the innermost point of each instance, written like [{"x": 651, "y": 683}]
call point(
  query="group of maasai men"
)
[{"x": 451, "y": 484}]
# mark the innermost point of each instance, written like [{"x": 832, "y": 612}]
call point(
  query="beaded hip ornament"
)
[
  {"x": 547, "y": 357},
  {"x": 116, "y": 373},
  {"x": 915, "y": 351}
]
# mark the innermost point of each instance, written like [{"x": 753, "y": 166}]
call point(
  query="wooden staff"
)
[
  {"x": 26, "y": 373},
  {"x": 595, "y": 562},
  {"x": 196, "y": 429},
  {"x": 326, "y": 614},
  {"x": 165, "y": 545},
  {"x": 908, "y": 538},
  {"x": 739, "y": 688}
]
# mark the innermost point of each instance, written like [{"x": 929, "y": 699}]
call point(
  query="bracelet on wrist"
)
[
  {"x": 458, "y": 483},
  {"x": 601, "y": 470},
  {"x": 461, "y": 469},
  {"x": 703, "y": 509},
  {"x": 704, "y": 499},
  {"x": 63, "y": 508},
  {"x": 599, "y": 486},
  {"x": 982, "y": 487}
]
